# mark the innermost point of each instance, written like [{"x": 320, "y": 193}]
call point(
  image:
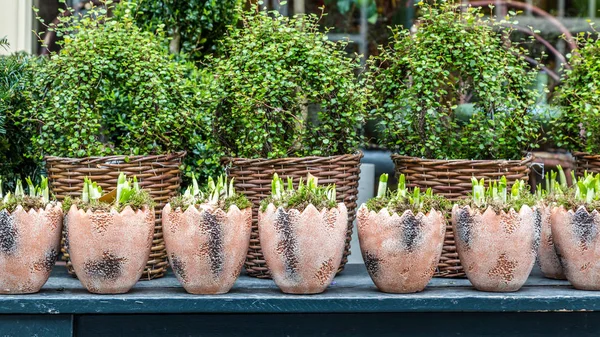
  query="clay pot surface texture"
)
[
  {"x": 109, "y": 249},
  {"x": 303, "y": 249},
  {"x": 576, "y": 238},
  {"x": 547, "y": 254},
  {"x": 401, "y": 252},
  {"x": 497, "y": 250},
  {"x": 207, "y": 247},
  {"x": 29, "y": 244}
]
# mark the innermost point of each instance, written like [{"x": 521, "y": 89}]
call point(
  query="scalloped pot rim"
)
[
  {"x": 570, "y": 210},
  {"x": 48, "y": 207},
  {"x": 127, "y": 209},
  {"x": 489, "y": 209},
  {"x": 205, "y": 208},
  {"x": 384, "y": 212},
  {"x": 272, "y": 208}
]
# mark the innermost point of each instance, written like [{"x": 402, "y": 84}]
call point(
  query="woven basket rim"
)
[
  {"x": 579, "y": 154},
  {"x": 171, "y": 155},
  {"x": 229, "y": 159},
  {"x": 523, "y": 160}
]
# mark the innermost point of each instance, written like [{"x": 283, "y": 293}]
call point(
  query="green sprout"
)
[
  {"x": 285, "y": 195},
  {"x": 587, "y": 188},
  {"x": 91, "y": 191},
  {"x": 404, "y": 199},
  {"x": 383, "y": 183},
  {"x": 497, "y": 192}
]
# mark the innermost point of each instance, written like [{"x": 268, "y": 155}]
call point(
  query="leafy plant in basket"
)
[
  {"x": 282, "y": 89},
  {"x": 578, "y": 127},
  {"x": 455, "y": 88},
  {"x": 113, "y": 89},
  {"x": 30, "y": 229},
  {"x": 193, "y": 27},
  {"x": 110, "y": 235}
]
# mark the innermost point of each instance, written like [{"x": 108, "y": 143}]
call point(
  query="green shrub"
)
[
  {"x": 578, "y": 127},
  {"x": 17, "y": 158},
  {"x": 113, "y": 89},
  {"x": 454, "y": 89},
  {"x": 283, "y": 89},
  {"x": 194, "y": 26}
]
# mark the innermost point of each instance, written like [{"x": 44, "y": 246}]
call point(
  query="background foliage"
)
[
  {"x": 16, "y": 157},
  {"x": 578, "y": 127},
  {"x": 454, "y": 89},
  {"x": 281, "y": 88},
  {"x": 193, "y": 25},
  {"x": 113, "y": 89}
]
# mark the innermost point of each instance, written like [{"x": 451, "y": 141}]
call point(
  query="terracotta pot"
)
[
  {"x": 547, "y": 255},
  {"x": 401, "y": 252},
  {"x": 303, "y": 249},
  {"x": 29, "y": 243},
  {"x": 497, "y": 250},
  {"x": 109, "y": 249},
  {"x": 576, "y": 238},
  {"x": 207, "y": 247}
]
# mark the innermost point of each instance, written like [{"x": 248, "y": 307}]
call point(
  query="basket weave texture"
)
[
  {"x": 158, "y": 174},
  {"x": 452, "y": 179},
  {"x": 586, "y": 162},
  {"x": 253, "y": 178}
]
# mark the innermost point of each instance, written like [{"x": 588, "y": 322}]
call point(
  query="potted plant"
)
[
  {"x": 453, "y": 102},
  {"x": 129, "y": 108},
  {"x": 497, "y": 234},
  {"x": 401, "y": 237},
  {"x": 207, "y": 233},
  {"x": 575, "y": 222},
  {"x": 30, "y": 228},
  {"x": 302, "y": 233},
  {"x": 548, "y": 258},
  {"x": 285, "y": 99},
  {"x": 109, "y": 237},
  {"x": 577, "y": 129}
]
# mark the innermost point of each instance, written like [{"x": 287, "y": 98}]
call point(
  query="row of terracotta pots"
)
[{"x": 303, "y": 248}]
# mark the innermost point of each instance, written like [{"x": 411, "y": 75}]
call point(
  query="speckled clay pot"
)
[
  {"x": 547, "y": 255},
  {"x": 576, "y": 238},
  {"x": 497, "y": 251},
  {"x": 109, "y": 249},
  {"x": 29, "y": 243},
  {"x": 401, "y": 252},
  {"x": 207, "y": 247},
  {"x": 303, "y": 249}
]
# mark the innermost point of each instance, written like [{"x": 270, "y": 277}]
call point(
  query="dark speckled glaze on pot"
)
[
  {"x": 497, "y": 250},
  {"x": 401, "y": 252},
  {"x": 29, "y": 244}
]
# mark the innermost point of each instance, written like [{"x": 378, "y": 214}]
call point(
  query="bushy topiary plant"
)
[
  {"x": 113, "y": 89},
  {"x": 193, "y": 26},
  {"x": 283, "y": 89},
  {"x": 578, "y": 127},
  {"x": 454, "y": 89}
]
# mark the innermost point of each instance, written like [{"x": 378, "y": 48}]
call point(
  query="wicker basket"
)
[
  {"x": 253, "y": 178},
  {"x": 586, "y": 163},
  {"x": 452, "y": 179},
  {"x": 159, "y": 175}
]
